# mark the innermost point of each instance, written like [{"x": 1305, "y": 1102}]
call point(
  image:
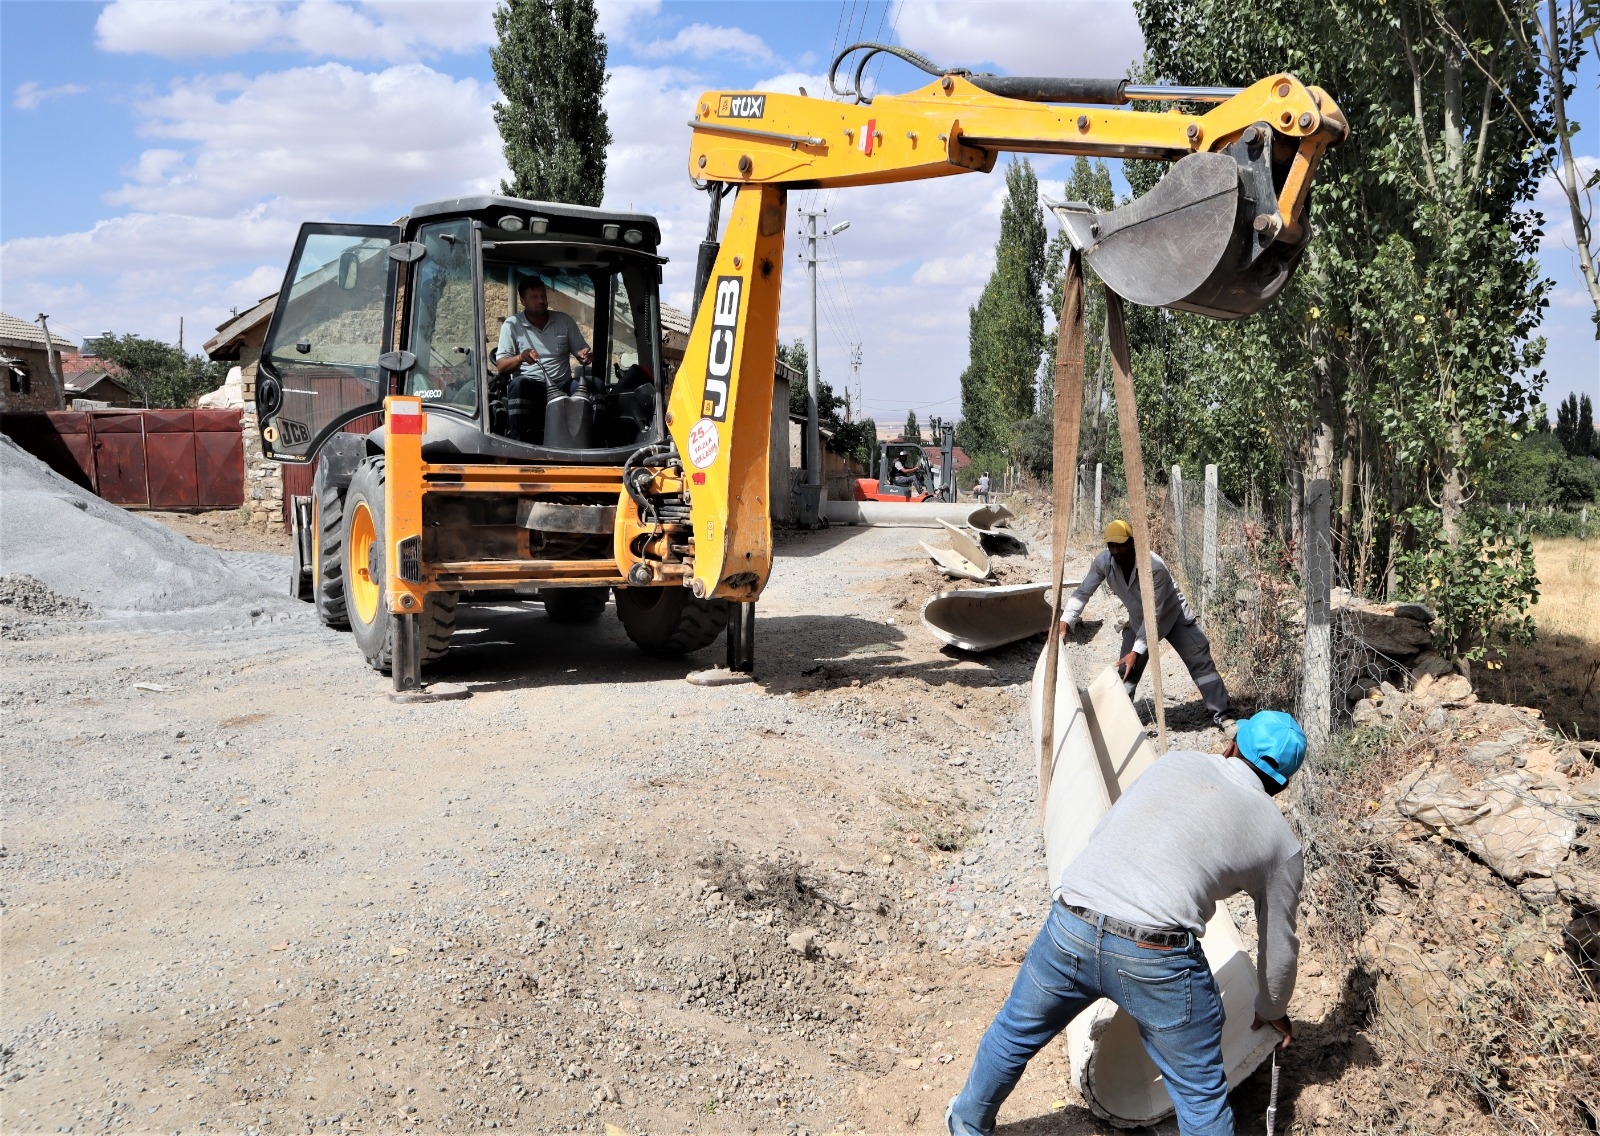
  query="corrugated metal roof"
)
[
  {"x": 21, "y": 333},
  {"x": 673, "y": 319}
]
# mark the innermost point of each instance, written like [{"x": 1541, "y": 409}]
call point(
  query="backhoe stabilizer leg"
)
[
  {"x": 407, "y": 657},
  {"x": 742, "y": 638}
]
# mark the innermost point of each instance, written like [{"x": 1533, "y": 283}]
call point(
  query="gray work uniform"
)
[{"x": 1175, "y": 623}]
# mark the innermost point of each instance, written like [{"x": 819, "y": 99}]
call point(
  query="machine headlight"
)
[
  {"x": 511, "y": 223},
  {"x": 538, "y": 226},
  {"x": 633, "y": 237},
  {"x": 611, "y": 232}
]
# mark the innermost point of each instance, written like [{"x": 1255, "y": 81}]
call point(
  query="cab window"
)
[{"x": 446, "y": 372}]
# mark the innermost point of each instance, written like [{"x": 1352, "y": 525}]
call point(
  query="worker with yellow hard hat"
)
[{"x": 1175, "y": 621}]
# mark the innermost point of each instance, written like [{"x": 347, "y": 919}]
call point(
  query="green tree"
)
[
  {"x": 550, "y": 66},
  {"x": 1006, "y": 328},
  {"x": 1402, "y": 359},
  {"x": 159, "y": 374},
  {"x": 912, "y": 431},
  {"x": 1575, "y": 426}
]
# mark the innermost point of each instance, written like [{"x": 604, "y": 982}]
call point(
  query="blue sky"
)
[{"x": 157, "y": 157}]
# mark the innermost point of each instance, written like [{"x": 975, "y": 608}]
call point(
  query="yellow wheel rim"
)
[{"x": 365, "y": 587}]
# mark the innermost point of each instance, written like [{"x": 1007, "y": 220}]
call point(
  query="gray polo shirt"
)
[{"x": 555, "y": 345}]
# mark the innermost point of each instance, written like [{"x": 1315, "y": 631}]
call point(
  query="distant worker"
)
[
  {"x": 981, "y": 492},
  {"x": 1175, "y": 621},
  {"x": 537, "y": 344},
  {"x": 1127, "y": 919}
]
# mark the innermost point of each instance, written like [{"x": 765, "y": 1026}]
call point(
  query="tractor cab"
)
[{"x": 429, "y": 306}]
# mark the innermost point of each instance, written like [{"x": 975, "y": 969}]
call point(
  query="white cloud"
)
[
  {"x": 29, "y": 95},
  {"x": 702, "y": 41},
  {"x": 1097, "y": 38},
  {"x": 330, "y": 138},
  {"x": 243, "y": 161},
  {"x": 388, "y": 31}
]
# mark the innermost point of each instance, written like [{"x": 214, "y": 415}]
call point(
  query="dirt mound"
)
[
  {"x": 79, "y": 546},
  {"x": 25, "y": 604}
]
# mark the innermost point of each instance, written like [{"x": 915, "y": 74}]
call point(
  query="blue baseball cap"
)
[{"x": 1274, "y": 743}]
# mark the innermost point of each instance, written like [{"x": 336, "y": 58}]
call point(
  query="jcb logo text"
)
[{"x": 724, "y": 330}]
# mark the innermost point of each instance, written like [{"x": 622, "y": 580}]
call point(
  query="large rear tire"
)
[
  {"x": 575, "y": 605},
  {"x": 327, "y": 572},
  {"x": 668, "y": 622},
  {"x": 366, "y": 598}
]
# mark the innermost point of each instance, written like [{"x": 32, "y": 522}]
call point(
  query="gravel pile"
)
[{"x": 76, "y": 545}]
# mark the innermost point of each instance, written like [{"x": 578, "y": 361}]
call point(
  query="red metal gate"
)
[{"x": 160, "y": 459}]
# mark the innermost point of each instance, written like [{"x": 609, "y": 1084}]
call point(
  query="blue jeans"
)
[{"x": 1170, "y": 993}]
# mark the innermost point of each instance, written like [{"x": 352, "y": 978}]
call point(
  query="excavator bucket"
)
[{"x": 1204, "y": 240}]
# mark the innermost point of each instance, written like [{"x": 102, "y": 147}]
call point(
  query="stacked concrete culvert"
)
[{"x": 115, "y": 561}]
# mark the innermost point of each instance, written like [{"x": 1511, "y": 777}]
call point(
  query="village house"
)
[{"x": 27, "y": 382}]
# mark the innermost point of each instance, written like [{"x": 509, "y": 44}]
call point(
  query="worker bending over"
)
[
  {"x": 1127, "y": 918},
  {"x": 1175, "y": 621}
]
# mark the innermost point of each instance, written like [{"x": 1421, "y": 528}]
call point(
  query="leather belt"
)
[{"x": 1144, "y": 936}]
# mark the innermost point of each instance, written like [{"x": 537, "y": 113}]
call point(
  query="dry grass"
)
[
  {"x": 1569, "y": 581},
  {"x": 1560, "y": 673}
]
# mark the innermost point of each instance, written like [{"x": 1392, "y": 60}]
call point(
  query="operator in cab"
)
[
  {"x": 539, "y": 345},
  {"x": 1128, "y": 914},
  {"x": 908, "y": 470},
  {"x": 1175, "y": 621}
]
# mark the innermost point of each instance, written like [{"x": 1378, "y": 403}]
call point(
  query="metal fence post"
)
[
  {"x": 1316, "y": 711},
  {"x": 1208, "y": 545},
  {"x": 1583, "y": 523}
]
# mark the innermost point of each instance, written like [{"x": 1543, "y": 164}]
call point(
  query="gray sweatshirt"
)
[{"x": 1193, "y": 829}]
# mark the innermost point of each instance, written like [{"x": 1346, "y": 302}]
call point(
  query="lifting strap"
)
[
  {"x": 1064, "y": 464},
  {"x": 1138, "y": 507},
  {"x": 1068, "y": 420}
]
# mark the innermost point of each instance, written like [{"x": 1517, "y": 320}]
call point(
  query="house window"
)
[{"x": 21, "y": 381}]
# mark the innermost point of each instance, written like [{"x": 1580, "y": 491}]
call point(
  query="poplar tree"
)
[
  {"x": 550, "y": 66},
  {"x": 912, "y": 431},
  {"x": 1006, "y": 328}
]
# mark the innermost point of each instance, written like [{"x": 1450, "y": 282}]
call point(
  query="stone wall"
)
[{"x": 263, "y": 479}]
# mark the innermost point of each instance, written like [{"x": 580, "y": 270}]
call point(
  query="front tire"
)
[
  {"x": 575, "y": 605},
  {"x": 669, "y": 622},
  {"x": 327, "y": 572},
  {"x": 366, "y": 597}
]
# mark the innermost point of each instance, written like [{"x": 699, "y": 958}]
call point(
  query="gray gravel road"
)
[{"x": 245, "y": 892}]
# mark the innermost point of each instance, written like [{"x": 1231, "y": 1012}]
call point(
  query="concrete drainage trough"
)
[{"x": 1100, "y": 749}]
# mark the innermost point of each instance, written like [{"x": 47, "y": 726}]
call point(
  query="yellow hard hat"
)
[{"x": 1118, "y": 532}]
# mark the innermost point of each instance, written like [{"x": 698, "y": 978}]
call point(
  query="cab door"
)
[{"x": 335, "y": 317}]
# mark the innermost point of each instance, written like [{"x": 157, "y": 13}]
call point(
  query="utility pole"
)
[
  {"x": 55, "y": 363},
  {"x": 855, "y": 376},
  {"x": 180, "y": 335},
  {"x": 810, "y": 504}
]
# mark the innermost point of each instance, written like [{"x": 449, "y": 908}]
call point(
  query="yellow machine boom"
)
[{"x": 1220, "y": 234}]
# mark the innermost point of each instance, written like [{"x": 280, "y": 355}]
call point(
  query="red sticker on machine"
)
[{"x": 703, "y": 443}]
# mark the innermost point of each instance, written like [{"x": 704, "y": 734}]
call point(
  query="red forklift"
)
[{"x": 905, "y": 474}]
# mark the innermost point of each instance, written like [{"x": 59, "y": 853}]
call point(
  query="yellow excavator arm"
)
[{"x": 1220, "y": 234}]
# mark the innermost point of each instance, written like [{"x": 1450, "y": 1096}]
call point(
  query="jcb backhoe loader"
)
[{"x": 616, "y": 482}]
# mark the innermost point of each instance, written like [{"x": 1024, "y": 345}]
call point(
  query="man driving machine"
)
[
  {"x": 1175, "y": 621},
  {"x": 539, "y": 345}
]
